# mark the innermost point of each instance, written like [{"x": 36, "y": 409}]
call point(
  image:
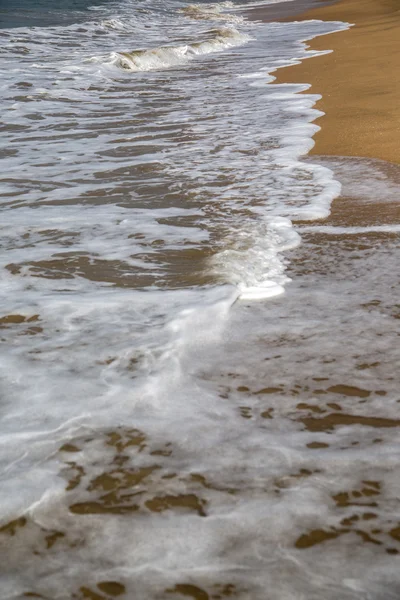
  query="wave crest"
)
[{"x": 168, "y": 56}]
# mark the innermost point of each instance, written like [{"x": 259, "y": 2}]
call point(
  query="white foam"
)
[
  {"x": 355, "y": 230},
  {"x": 169, "y": 56},
  {"x": 252, "y": 257},
  {"x": 265, "y": 289}
]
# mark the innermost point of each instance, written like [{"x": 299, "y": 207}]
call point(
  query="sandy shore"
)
[{"x": 359, "y": 81}]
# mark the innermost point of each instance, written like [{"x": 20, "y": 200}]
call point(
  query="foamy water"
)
[{"x": 158, "y": 433}]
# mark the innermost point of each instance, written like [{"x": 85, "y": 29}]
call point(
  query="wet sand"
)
[
  {"x": 358, "y": 81},
  {"x": 283, "y": 11}
]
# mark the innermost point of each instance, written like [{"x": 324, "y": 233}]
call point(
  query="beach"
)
[
  {"x": 200, "y": 315},
  {"x": 358, "y": 81}
]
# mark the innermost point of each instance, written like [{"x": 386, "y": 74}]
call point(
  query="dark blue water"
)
[{"x": 42, "y": 13}]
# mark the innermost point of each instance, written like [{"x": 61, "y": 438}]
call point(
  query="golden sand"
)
[{"x": 359, "y": 81}]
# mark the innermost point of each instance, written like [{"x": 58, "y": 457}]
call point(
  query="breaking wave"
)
[{"x": 164, "y": 57}]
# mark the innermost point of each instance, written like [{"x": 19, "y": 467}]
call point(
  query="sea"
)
[{"x": 199, "y": 386}]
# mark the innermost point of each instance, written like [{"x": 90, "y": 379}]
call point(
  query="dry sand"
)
[{"x": 359, "y": 81}]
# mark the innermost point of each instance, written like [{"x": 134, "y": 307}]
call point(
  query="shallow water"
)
[
  {"x": 199, "y": 398},
  {"x": 44, "y": 13}
]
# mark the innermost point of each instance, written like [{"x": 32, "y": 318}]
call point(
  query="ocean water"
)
[{"x": 198, "y": 368}]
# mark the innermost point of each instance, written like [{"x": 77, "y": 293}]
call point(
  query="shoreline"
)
[
  {"x": 357, "y": 80},
  {"x": 283, "y": 11}
]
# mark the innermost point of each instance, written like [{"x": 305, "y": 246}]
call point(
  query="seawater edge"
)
[
  {"x": 358, "y": 81},
  {"x": 225, "y": 466}
]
